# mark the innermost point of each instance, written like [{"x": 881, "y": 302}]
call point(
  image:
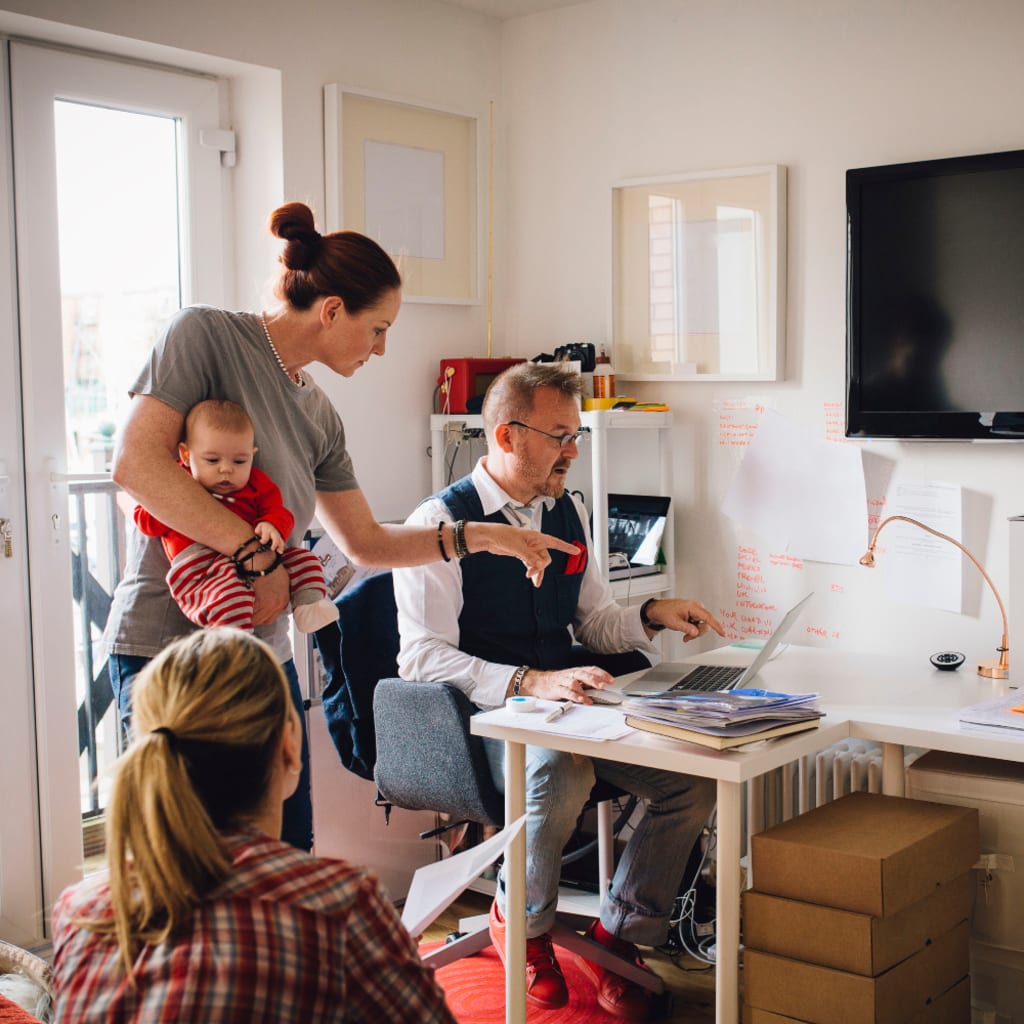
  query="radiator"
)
[{"x": 850, "y": 766}]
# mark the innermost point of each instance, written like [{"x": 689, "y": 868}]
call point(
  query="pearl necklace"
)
[{"x": 297, "y": 378}]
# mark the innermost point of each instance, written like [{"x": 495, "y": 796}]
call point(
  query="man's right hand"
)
[
  {"x": 566, "y": 684},
  {"x": 529, "y": 546}
]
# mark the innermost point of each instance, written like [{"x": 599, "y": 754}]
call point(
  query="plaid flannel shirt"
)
[{"x": 288, "y": 937}]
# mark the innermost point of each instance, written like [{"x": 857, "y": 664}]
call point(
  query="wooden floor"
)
[{"x": 693, "y": 989}]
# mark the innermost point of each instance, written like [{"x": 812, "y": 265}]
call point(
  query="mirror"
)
[{"x": 699, "y": 276}]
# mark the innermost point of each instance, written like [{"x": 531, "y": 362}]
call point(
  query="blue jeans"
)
[
  {"x": 297, "y": 825},
  {"x": 647, "y": 877}
]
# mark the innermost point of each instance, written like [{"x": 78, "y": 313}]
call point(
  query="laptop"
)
[
  {"x": 681, "y": 675},
  {"x": 636, "y": 524}
]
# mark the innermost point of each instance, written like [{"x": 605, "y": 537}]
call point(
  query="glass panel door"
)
[{"x": 118, "y": 221}]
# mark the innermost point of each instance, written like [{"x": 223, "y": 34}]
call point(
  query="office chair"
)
[{"x": 423, "y": 754}]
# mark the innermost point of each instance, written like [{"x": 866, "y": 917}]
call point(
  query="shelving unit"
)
[{"x": 600, "y": 424}]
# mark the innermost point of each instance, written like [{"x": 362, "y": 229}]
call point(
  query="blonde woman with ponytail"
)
[{"x": 206, "y": 916}]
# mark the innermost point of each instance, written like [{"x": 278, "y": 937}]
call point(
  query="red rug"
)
[
  {"x": 475, "y": 987},
  {"x": 12, "y": 1013}
]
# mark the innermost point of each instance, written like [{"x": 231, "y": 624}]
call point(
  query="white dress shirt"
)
[{"x": 429, "y": 599}]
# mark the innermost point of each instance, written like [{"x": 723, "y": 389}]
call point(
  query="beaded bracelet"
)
[
  {"x": 254, "y": 574},
  {"x": 237, "y": 556},
  {"x": 247, "y": 575},
  {"x": 459, "y": 539},
  {"x": 517, "y": 679},
  {"x": 440, "y": 540}
]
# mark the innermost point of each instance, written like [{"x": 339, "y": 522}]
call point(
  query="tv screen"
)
[{"x": 935, "y": 298}]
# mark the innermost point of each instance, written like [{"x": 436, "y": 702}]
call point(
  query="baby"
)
[{"x": 213, "y": 589}]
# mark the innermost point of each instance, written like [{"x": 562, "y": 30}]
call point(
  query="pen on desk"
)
[{"x": 563, "y": 707}]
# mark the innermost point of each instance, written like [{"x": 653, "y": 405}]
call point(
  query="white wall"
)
[{"x": 613, "y": 89}]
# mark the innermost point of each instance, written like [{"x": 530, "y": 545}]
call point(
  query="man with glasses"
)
[{"x": 476, "y": 625}]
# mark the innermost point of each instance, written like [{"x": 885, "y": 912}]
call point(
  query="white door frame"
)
[
  {"x": 39, "y": 75},
  {"x": 21, "y": 875}
]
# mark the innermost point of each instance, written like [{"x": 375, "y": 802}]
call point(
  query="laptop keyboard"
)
[{"x": 710, "y": 677}]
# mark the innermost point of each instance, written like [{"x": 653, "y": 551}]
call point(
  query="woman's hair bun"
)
[
  {"x": 343, "y": 263},
  {"x": 294, "y": 223}
]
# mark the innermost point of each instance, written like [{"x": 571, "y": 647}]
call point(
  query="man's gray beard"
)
[{"x": 554, "y": 487}]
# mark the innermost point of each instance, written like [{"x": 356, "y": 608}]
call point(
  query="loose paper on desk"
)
[
  {"x": 914, "y": 567},
  {"x": 802, "y": 492},
  {"x": 586, "y": 721},
  {"x": 1005, "y": 712},
  {"x": 436, "y": 886}
]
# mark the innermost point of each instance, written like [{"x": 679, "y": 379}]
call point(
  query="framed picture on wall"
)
[
  {"x": 406, "y": 176},
  {"x": 699, "y": 275}
]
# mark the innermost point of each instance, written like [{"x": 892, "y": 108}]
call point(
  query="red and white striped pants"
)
[{"x": 210, "y": 593}]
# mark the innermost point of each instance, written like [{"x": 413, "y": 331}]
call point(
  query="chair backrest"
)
[
  {"x": 426, "y": 757},
  {"x": 412, "y": 738},
  {"x": 357, "y": 651}
]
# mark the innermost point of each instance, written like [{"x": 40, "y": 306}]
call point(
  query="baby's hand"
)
[{"x": 269, "y": 534}]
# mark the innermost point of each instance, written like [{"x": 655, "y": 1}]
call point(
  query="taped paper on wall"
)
[{"x": 802, "y": 492}]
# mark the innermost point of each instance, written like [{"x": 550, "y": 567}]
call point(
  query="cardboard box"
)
[
  {"x": 847, "y": 940},
  {"x": 865, "y": 852},
  {"x": 952, "y": 1007},
  {"x": 808, "y": 992}
]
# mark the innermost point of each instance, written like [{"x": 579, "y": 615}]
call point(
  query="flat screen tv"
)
[{"x": 935, "y": 299}]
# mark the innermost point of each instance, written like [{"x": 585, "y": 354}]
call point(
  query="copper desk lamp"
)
[{"x": 996, "y": 668}]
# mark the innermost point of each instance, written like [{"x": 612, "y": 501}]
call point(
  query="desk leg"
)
[
  {"x": 894, "y": 775},
  {"x": 515, "y": 887},
  {"x": 727, "y": 937}
]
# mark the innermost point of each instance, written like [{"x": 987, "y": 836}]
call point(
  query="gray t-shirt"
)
[{"x": 211, "y": 353}]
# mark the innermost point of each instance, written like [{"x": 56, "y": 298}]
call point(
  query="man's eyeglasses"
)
[{"x": 563, "y": 440}]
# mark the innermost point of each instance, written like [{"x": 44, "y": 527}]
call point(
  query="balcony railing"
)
[
  {"x": 98, "y": 544},
  {"x": 97, "y": 557}
]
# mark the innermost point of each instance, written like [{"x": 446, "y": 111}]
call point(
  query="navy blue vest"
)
[{"x": 505, "y": 618}]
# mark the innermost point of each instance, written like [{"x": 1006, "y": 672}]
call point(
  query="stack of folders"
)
[{"x": 723, "y": 718}]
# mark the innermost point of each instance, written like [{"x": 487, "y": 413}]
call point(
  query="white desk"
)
[{"x": 894, "y": 701}]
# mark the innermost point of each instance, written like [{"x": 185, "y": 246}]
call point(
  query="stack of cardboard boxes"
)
[{"x": 859, "y": 913}]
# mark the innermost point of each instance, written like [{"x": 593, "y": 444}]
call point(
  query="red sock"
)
[{"x": 601, "y": 934}]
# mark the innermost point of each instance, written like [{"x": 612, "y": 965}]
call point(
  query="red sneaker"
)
[
  {"x": 545, "y": 986},
  {"x": 617, "y": 995}
]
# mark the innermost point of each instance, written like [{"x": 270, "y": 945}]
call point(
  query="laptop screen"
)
[{"x": 636, "y": 524}]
